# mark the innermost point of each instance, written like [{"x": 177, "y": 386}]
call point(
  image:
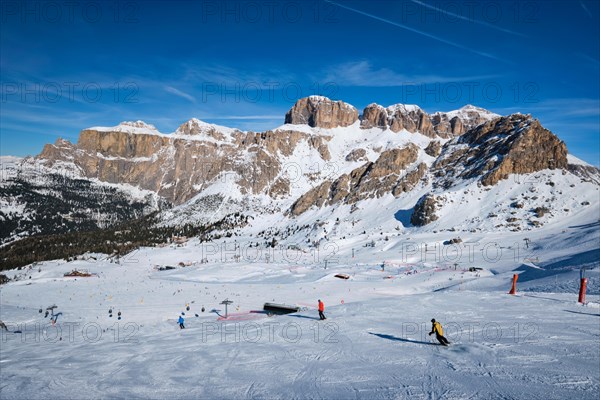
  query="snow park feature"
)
[{"x": 279, "y": 309}]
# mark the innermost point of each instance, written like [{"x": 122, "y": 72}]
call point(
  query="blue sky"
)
[{"x": 66, "y": 66}]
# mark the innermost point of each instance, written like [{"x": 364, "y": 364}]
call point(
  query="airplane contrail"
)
[
  {"x": 467, "y": 19},
  {"x": 408, "y": 28}
]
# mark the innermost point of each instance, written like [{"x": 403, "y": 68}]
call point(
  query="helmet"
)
[{"x": 433, "y": 320}]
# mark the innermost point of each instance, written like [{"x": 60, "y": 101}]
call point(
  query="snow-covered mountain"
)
[
  {"x": 37, "y": 200},
  {"x": 391, "y": 169},
  {"x": 423, "y": 216}
]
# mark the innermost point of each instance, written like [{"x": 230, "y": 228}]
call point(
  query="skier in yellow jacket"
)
[{"x": 436, "y": 328}]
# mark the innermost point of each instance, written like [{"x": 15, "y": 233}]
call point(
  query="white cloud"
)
[
  {"x": 362, "y": 73},
  {"x": 179, "y": 93}
]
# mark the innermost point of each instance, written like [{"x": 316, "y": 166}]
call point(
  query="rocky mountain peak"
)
[
  {"x": 137, "y": 124},
  {"x": 192, "y": 127},
  {"x": 471, "y": 107},
  {"x": 470, "y": 115},
  {"x": 404, "y": 108},
  {"x": 321, "y": 112},
  {"x": 139, "y": 127},
  {"x": 196, "y": 127}
]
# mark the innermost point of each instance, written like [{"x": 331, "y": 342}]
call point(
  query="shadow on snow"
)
[
  {"x": 404, "y": 217},
  {"x": 390, "y": 337}
]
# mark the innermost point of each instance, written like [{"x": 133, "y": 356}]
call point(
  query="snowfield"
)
[{"x": 539, "y": 344}]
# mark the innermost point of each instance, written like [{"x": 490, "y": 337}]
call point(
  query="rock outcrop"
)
[
  {"x": 357, "y": 155},
  {"x": 425, "y": 210},
  {"x": 455, "y": 123},
  {"x": 388, "y": 174},
  {"x": 587, "y": 173},
  {"x": 434, "y": 148},
  {"x": 414, "y": 119},
  {"x": 397, "y": 118},
  {"x": 373, "y": 116},
  {"x": 516, "y": 144},
  {"x": 321, "y": 112}
]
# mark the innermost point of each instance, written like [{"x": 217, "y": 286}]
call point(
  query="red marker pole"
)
[
  {"x": 582, "y": 289},
  {"x": 513, "y": 289}
]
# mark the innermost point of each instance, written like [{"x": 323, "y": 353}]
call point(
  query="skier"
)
[
  {"x": 321, "y": 309},
  {"x": 436, "y": 328},
  {"x": 55, "y": 318},
  {"x": 180, "y": 322}
]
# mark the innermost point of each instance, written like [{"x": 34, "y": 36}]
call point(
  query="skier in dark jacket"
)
[
  {"x": 180, "y": 322},
  {"x": 436, "y": 328}
]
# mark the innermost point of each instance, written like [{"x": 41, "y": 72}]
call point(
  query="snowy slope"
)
[{"x": 374, "y": 343}]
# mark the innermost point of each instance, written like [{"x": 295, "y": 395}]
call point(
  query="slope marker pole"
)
[{"x": 513, "y": 289}]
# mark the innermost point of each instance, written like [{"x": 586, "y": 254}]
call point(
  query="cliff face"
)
[
  {"x": 178, "y": 166},
  {"x": 516, "y": 144},
  {"x": 321, "y": 112},
  {"x": 414, "y": 119}
]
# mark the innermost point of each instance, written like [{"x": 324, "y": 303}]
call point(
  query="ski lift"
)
[
  {"x": 50, "y": 310},
  {"x": 226, "y": 302}
]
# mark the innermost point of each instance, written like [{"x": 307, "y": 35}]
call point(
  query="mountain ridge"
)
[{"x": 341, "y": 165}]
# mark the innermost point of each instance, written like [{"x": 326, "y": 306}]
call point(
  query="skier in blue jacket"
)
[{"x": 180, "y": 322}]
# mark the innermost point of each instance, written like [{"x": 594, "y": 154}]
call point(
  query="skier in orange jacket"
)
[{"x": 321, "y": 309}]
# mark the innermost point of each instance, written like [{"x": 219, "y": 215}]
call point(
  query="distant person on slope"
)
[
  {"x": 436, "y": 328},
  {"x": 321, "y": 309},
  {"x": 180, "y": 322},
  {"x": 54, "y": 318}
]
